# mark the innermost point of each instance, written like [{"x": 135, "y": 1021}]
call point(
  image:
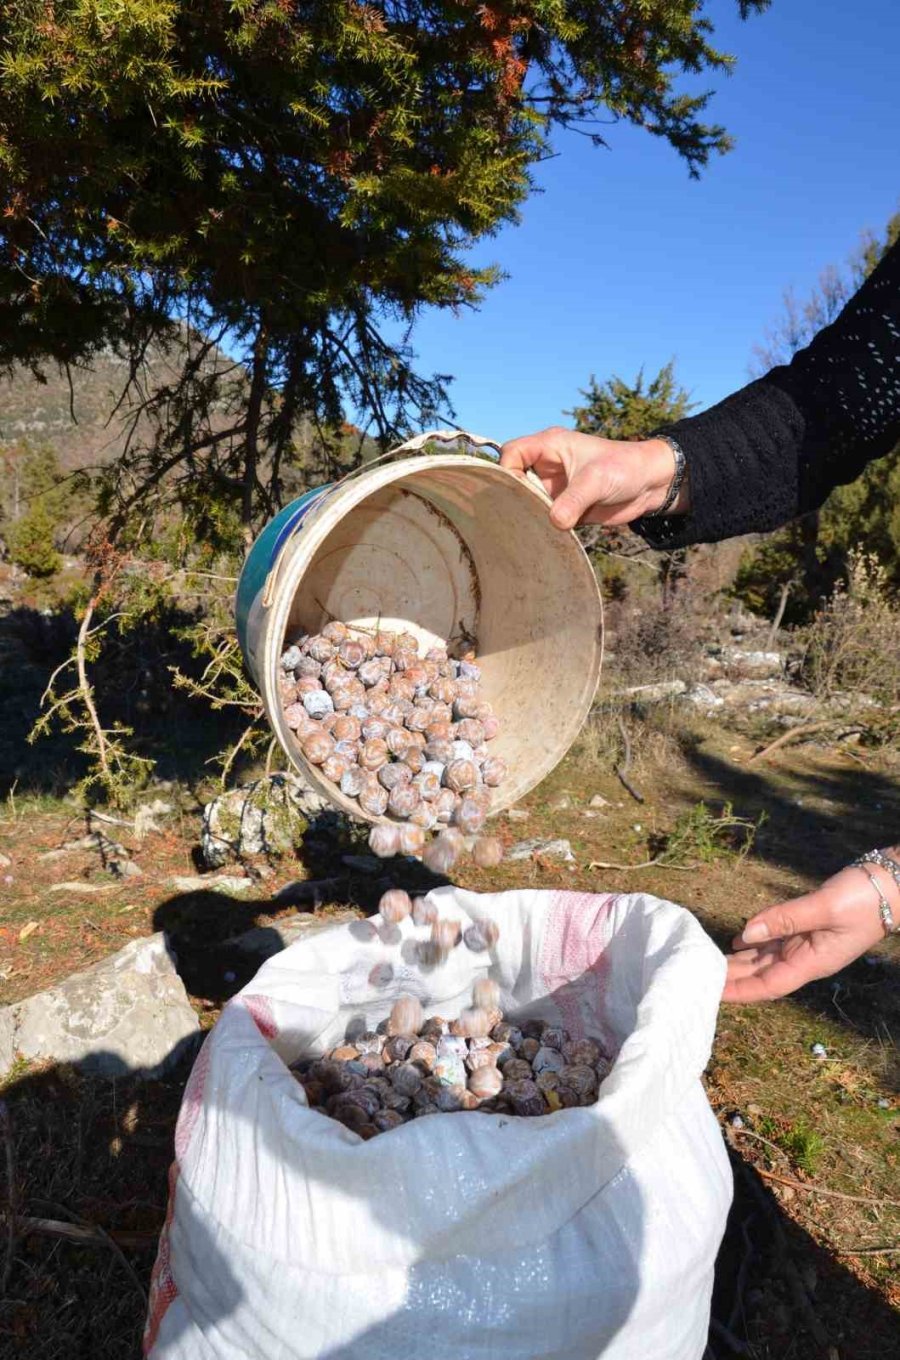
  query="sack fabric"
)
[{"x": 589, "y": 1232}]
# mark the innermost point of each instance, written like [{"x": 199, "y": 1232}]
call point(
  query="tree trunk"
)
[{"x": 251, "y": 442}]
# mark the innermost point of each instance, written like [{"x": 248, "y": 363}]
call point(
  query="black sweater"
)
[{"x": 776, "y": 448}]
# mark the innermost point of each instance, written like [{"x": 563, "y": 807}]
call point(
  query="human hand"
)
[
  {"x": 597, "y": 481},
  {"x": 813, "y": 936}
]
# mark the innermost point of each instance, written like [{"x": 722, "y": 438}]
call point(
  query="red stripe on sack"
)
[
  {"x": 192, "y": 1102},
  {"x": 260, "y": 1008},
  {"x": 163, "y": 1289},
  {"x": 574, "y": 964}
]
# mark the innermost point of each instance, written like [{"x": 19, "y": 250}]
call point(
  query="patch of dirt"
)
[{"x": 801, "y": 1274}]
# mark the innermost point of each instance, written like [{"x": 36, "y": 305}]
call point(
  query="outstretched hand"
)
[
  {"x": 593, "y": 480},
  {"x": 786, "y": 946}
]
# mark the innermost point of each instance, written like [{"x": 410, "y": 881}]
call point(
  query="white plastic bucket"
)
[{"x": 452, "y": 548}]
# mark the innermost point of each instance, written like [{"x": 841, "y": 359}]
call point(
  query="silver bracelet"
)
[
  {"x": 678, "y": 479},
  {"x": 883, "y": 861},
  {"x": 884, "y": 907}
]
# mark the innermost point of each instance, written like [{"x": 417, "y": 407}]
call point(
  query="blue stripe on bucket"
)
[{"x": 263, "y": 556}]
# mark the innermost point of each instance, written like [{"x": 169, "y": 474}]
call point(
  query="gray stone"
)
[
  {"x": 129, "y": 1013},
  {"x": 704, "y": 698},
  {"x": 653, "y": 694},
  {"x": 126, "y": 868},
  {"x": 263, "y": 818},
  {"x": 558, "y": 849},
  {"x": 5, "y": 861},
  {"x": 223, "y": 883},
  {"x": 598, "y": 801},
  {"x": 516, "y": 814},
  {"x": 147, "y": 818},
  {"x": 739, "y": 664}
]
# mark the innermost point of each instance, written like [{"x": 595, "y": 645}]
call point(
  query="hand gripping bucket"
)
[{"x": 454, "y": 549}]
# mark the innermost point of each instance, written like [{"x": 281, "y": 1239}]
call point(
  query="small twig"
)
[
  {"x": 821, "y": 1190},
  {"x": 74, "y": 1232},
  {"x": 105, "y": 817},
  {"x": 779, "y": 615},
  {"x": 867, "y": 1251},
  {"x": 622, "y": 770},
  {"x": 794, "y": 1279},
  {"x": 657, "y": 863},
  {"x": 94, "y": 1234},
  {"x": 748, "y": 1133},
  {"x": 11, "y": 1195},
  {"x": 805, "y": 729}
]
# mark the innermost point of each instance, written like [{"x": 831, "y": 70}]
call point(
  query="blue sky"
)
[{"x": 623, "y": 261}]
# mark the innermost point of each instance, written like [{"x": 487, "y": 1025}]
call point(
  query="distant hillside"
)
[{"x": 42, "y": 412}]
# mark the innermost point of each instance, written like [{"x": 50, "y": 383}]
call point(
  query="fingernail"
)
[{"x": 755, "y": 932}]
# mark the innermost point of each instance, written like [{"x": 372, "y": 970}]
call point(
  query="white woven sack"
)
[{"x": 589, "y": 1232}]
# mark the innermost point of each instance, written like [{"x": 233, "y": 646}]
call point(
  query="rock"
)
[
  {"x": 598, "y": 801},
  {"x": 126, "y": 868},
  {"x": 737, "y": 664},
  {"x": 146, "y": 819},
  {"x": 558, "y": 849},
  {"x": 562, "y": 803},
  {"x": 515, "y": 814},
  {"x": 5, "y": 861},
  {"x": 223, "y": 883},
  {"x": 653, "y": 694},
  {"x": 128, "y": 1013},
  {"x": 264, "y": 941},
  {"x": 754, "y": 696},
  {"x": 263, "y": 818},
  {"x": 703, "y": 698}
]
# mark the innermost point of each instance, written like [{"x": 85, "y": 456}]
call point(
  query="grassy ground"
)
[{"x": 811, "y": 1262}]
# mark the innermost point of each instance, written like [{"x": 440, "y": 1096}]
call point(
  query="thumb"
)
[
  {"x": 583, "y": 491},
  {"x": 788, "y": 918}
]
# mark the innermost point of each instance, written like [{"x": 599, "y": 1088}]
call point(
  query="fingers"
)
[
  {"x": 587, "y": 487},
  {"x": 788, "y": 918},
  {"x": 763, "y": 975},
  {"x": 518, "y": 455}
]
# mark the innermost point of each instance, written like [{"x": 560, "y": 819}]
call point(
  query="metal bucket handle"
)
[{"x": 412, "y": 445}]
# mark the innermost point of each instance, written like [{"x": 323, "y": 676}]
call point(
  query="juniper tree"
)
[{"x": 247, "y": 199}]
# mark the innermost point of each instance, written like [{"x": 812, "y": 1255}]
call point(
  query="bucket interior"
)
[{"x": 459, "y": 551}]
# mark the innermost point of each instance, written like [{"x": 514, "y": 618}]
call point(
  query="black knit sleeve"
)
[{"x": 776, "y": 448}]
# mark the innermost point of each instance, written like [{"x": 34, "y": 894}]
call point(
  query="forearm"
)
[{"x": 776, "y": 448}]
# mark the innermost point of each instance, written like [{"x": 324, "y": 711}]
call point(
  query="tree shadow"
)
[
  {"x": 862, "y": 809},
  {"x": 779, "y": 1293},
  {"x": 97, "y": 1150},
  {"x": 219, "y": 942}
]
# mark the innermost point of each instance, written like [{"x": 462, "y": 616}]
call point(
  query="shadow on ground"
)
[
  {"x": 816, "y": 822},
  {"x": 92, "y": 1152}
]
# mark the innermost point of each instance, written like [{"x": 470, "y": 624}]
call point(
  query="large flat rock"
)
[{"x": 128, "y": 1013}]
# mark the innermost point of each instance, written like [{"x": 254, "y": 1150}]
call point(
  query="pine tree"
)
[
  {"x": 620, "y": 410},
  {"x": 284, "y": 177},
  {"x": 30, "y": 540},
  {"x": 617, "y": 409}
]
